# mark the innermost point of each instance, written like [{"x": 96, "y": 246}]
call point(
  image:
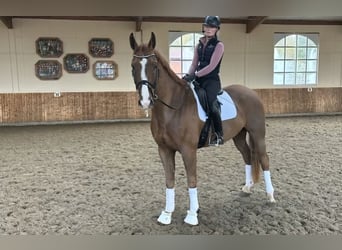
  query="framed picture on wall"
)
[
  {"x": 101, "y": 47},
  {"x": 105, "y": 70},
  {"x": 49, "y": 47},
  {"x": 76, "y": 63},
  {"x": 48, "y": 69}
]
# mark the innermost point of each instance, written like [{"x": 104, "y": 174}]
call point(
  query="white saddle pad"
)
[{"x": 228, "y": 108}]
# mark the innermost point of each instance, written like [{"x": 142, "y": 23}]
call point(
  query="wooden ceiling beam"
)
[
  {"x": 8, "y": 21},
  {"x": 253, "y": 22},
  {"x": 303, "y": 21}
]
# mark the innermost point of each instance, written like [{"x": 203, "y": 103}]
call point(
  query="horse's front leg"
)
[
  {"x": 190, "y": 161},
  {"x": 167, "y": 157}
]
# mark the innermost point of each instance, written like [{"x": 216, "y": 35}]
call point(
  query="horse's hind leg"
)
[
  {"x": 260, "y": 155},
  {"x": 167, "y": 157},
  {"x": 241, "y": 144}
]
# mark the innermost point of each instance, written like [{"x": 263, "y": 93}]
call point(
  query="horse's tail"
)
[{"x": 255, "y": 161}]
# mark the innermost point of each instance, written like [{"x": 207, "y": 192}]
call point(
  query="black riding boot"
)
[{"x": 217, "y": 122}]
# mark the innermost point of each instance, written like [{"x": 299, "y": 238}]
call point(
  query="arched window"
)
[
  {"x": 295, "y": 59},
  {"x": 181, "y": 50}
]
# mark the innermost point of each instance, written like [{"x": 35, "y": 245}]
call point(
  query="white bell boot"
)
[
  {"x": 165, "y": 218},
  {"x": 191, "y": 218}
]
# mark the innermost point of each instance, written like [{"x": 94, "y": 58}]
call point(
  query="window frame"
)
[
  {"x": 297, "y": 76},
  {"x": 182, "y": 61}
]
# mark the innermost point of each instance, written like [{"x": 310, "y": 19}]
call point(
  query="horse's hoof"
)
[
  {"x": 246, "y": 189},
  {"x": 165, "y": 218},
  {"x": 191, "y": 218},
  {"x": 271, "y": 198}
]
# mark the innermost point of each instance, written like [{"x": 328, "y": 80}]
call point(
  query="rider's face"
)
[{"x": 209, "y": 31}]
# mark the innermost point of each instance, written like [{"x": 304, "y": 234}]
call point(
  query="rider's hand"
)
[{"x": 189, "y": 77}]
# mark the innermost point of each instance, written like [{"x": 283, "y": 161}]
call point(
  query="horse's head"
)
[{"x": 144, "y": 70}]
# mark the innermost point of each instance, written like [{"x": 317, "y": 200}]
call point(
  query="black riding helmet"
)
[{"x": 212, "y": 21}]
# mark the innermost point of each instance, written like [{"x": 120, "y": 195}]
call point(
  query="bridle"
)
[{"x": 151, "y": 86}]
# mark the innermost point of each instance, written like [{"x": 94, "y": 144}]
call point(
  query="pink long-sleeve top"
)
[{"x": 214, "y": 61}]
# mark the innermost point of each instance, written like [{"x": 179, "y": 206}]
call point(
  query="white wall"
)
[
  {"x": 75, "y": 36},
  {"x": 248, "y": 58},
  {"x": 260, "y": 54}
]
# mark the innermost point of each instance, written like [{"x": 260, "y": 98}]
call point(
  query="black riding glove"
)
[{"x": 189, "y": 77}]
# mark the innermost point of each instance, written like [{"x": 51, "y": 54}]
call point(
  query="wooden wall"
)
[
  {"x": 74, "y": 106},
  {"x": 301, "y": 100},
  {"x": 99, "y": 106}
]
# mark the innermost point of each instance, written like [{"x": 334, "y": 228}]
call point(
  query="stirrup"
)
[{"x": 217, "y": 141}]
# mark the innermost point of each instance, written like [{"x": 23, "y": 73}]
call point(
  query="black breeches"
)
[{"x": 212, "y": 87}]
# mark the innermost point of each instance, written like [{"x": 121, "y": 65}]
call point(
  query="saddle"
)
[{"x": 208, "y": 126}]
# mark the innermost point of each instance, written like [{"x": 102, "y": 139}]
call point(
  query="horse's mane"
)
[{"x": 165, "y": 64}]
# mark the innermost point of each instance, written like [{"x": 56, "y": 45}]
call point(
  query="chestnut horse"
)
[{"x": 175, "y": 125}]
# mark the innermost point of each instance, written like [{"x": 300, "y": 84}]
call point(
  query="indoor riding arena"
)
[
  {"x": 78, "y": 156},
  {"x": 108, "y": 179}
]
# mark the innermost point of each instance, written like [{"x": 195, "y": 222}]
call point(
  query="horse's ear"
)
[
  {"x": 132, "y": 41},
  {"x": 152, "y": 42}
]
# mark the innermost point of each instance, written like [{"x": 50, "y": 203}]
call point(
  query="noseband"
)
[{"x": 150, "y": 86}]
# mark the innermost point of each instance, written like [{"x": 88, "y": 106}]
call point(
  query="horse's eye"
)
[{"x": 133, "y": 70}]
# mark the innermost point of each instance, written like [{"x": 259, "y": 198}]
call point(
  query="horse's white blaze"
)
[
  {"x": 145, "y": 101},
  {"x": 145, "y": 94}
]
